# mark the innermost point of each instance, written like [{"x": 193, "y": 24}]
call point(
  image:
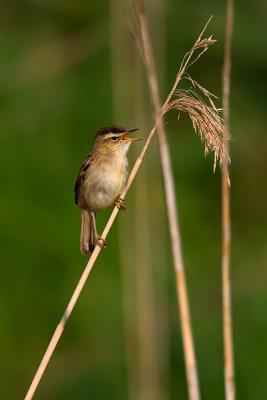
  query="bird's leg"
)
[
  {"x": 97, "y": 240},
  {"x": 118, "y": 202}
]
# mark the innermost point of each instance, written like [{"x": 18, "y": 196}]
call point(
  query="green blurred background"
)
[{"x": 67, "y": 69}]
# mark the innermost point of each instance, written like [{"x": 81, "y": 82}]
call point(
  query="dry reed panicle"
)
[
  {"x": 205, "y": 118},
  {"x": 206, "y": 122},
  {"x": 202, "y": 44}
]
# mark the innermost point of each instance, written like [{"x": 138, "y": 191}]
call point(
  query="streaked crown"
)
[{"x": 113, "y": 130}]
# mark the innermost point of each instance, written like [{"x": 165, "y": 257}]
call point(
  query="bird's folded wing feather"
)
[{"x": 82, "y": 173}]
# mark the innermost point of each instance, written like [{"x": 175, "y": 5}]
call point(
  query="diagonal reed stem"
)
[
  {"x": 168, "y": 179},
  {"x": 226, "y": 218},
  {"x": 76, "y": 294}
]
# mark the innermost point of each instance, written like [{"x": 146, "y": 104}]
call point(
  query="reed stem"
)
[
  {"x": 226, "y": 217},
  {"x": 168, "y": 179}
]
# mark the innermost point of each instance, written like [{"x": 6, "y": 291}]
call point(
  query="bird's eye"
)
[{"x": 114, "y": 138}]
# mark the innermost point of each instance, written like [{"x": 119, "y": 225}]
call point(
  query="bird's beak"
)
[{"x": 130, "y": 139}]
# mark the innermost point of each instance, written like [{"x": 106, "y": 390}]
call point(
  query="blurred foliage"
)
[{"x": 55, "y": 93}]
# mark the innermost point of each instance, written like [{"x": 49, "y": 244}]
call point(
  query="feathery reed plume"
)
[
  {"x": 206, "y": 122},
  {"x": 229, "y": 380},
  {"x": 191, "y": 57},
  {"x": 81, "y": 283}
]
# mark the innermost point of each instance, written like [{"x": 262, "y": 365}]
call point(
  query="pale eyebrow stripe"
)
[{"x": 110, "y": 135}]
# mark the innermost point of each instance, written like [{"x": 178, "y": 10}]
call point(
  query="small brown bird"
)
[{"x": 101, "y": 179}]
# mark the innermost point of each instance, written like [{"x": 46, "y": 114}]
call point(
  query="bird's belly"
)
[{"x": 101, "y": 189}]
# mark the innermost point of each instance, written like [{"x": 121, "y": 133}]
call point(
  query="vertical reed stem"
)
[
  {"x": 226, "y": 223},
  {"x": 190, "y": 361},
  {"x": 142, "y": 344}
]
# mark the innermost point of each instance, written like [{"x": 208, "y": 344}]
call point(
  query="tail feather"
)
[
  {"x": 85, "y": 232},
  {"x": 88, "y": 238}
]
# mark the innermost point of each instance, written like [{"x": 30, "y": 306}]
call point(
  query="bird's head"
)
[{"x": 114, "y": 138}]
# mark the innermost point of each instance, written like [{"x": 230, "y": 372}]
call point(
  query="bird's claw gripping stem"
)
[
  {"x": 101, "y": 243},
  {"x": 118, "y": 202}
]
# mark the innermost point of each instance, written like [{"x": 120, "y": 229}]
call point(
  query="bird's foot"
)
[
  {"x": 101, "y": 243},
  {"x": 118, "y": 202}
]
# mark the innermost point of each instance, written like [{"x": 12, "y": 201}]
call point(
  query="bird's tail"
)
[{"x": 88, "y": 238}]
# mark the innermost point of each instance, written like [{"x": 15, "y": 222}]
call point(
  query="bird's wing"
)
[{"x": 82, "y": 173}]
